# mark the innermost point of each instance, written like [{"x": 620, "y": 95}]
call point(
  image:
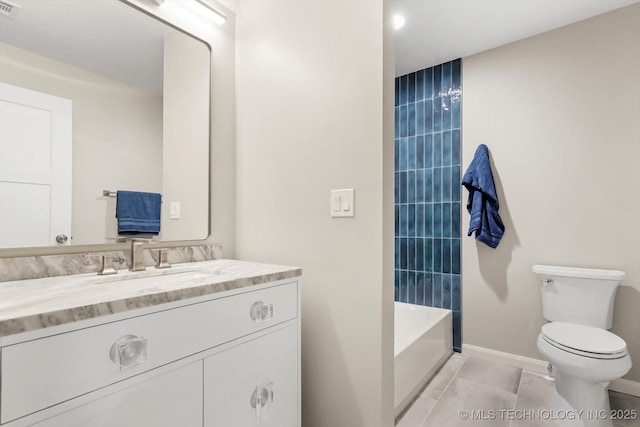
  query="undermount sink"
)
[{"x": 156, "y": 276}]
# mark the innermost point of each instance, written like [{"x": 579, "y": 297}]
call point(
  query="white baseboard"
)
[{"x": 540, "y": 366}]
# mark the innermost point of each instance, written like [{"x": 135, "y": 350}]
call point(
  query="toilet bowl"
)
[{"x": 585, "y": 356}]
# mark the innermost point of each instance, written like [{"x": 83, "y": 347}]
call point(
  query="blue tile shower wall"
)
[{"x": 427, "y": 184}]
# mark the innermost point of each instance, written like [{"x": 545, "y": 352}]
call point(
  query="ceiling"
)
[{"x": 438, "y": 31}]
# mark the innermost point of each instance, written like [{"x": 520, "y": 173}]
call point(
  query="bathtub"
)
[{"x": 422, "y": 343}]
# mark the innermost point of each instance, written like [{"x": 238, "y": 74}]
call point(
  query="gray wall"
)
[{"x": 560, "y": 114}]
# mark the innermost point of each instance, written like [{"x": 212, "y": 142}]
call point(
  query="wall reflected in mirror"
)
[{"x": 96, "y": 95}]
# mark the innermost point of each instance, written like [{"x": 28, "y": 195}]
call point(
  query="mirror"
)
[{"x": 96, "y": 97}]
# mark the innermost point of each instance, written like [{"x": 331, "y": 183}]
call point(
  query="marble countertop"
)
[{"x": 27, "y": 305}]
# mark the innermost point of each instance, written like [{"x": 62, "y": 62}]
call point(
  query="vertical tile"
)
[
  {"x": 396, "y": 221},
  {"x": 420, "y": 118},
  {"x": 411, "y": 119},
  {"x": 420, "y": 288},
  {"x": 437, "y": 114},
  {"x": 402, "y": 188},
  {"x": 428, "y": 289},
  {"x": 447, "y": 148},
  {"x": 437, "y": 255},
  {"x": 428, "y": 116},
  {"x": 396, "y": 194},
  {"x": 396, "y": 154},
  {"x": 419, "y": 198},
  {"x": 455, "y": 256},
  {"x": 403, "y": 90},
  {"x": 411, "y": 152},
  {"x": 403, "y": 121},
  {"x": 397, "y": 254},
  {"x": 456, "y": 73},
  {"x": 411, "y": 186},
  {"x": 420, "y": 85},
  {"x": 456, "y": 186},
  {"x": 428, "y": 255},
  {"x": 437, "y": 220},
  {"x": 428, "y": 220},
  {"x": 446, "y": 112},
  {"x": 396, "y": 122},
  {"x": 404, "y": 218},
  {"x": 411, "y": 287},
  {"x": 428, "y": 185},
  {"x": 428, "y": 83},
  {"x": 437, "y": 80},
  {"x": 403, "y": 253},
  {"x": 456, "y": 115},
  {"x": 411, "y": 88},
  {"x": 419, "y": 254},
  {"x": 428, "y": 151},
  {"x": 397, "y": 91},
  {"x": 456, "y": 296},
  {"x": 402, "y": 154},
  {"x": 419, "y": 152},
  {"x": 455, "y": 147},
  {"x": 437, "y": 184},
  {"x": 403, "y": 286},
  {"x": 455, "y": 220},
  {"x": 446, "y": 220},
  {"x": 457, "y": 331},
  {"x": 446, "y": 256},
  {"x": 411, "y": 220},
  {"x": 419, "y": 219},
  {"x": 437, "y": 150},
  {"x": 411, "y": 254},
  {"x": 446, "y": 184},
  {"x": 396, "y": 285},
  {"x": 437, "y": 290},
  {"x": 446, "y": 77},
  {"x": 446, "y": 291}
]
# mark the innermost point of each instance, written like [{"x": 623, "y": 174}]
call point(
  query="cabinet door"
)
[
  {"x": 254, "y": 384},
  {"x": 169, "y": 400}
]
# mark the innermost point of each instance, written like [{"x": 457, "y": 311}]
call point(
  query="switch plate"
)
[
  {"x": 174, "y": 210},
  {"x": 342, "y": 203}
]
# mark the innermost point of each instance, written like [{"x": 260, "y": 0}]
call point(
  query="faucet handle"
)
[
  {"x": 106, "y": 265},
  {"x": 162, "y": 259}
]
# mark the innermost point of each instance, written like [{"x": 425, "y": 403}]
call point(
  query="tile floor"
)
[{"x": 498, "y": 395}]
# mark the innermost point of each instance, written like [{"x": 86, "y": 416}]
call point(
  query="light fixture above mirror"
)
[{"x": 203, "y": 8}]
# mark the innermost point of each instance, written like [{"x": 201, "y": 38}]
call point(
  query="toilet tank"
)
[{"x": 578, "y": 295}]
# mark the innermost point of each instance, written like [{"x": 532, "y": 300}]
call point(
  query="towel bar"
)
[{"x": 109, "y": 193}]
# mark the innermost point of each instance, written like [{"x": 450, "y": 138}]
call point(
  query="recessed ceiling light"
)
[{"x": 398, "y": 21}]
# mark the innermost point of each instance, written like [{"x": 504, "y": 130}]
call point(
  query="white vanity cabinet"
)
[{"x": 195, "y": 362}]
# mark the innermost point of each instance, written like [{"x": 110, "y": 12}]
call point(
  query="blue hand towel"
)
[
  {"x": 483, "y": 200},
  {"x": 138, "y": 212}
]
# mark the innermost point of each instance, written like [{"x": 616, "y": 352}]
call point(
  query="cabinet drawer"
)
[
  {"x": 254, "y": 384},
  {"x": 40, "y": 373}
]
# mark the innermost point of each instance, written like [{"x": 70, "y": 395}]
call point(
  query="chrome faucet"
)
[{"x": 137, "y": 255}]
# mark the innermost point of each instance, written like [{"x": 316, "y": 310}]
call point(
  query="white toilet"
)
[{"x": 585, "y": 357}]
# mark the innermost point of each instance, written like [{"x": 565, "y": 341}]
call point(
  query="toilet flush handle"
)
[{"x": 546, "y": 282}]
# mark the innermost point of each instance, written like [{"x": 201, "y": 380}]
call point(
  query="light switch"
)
[
  {"x": 174, "y": 210},
  {"x": 342, "y": 203}
]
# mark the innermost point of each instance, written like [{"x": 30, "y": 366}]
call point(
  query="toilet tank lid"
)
[{"x": 584, "y": 273}]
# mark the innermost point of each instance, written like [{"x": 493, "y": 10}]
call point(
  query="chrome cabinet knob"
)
[{"x": 62, "y": 238}]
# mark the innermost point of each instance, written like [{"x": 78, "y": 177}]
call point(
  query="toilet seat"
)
[{"x": 582, "y": 340}]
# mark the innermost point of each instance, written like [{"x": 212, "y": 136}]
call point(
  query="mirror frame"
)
[{"x": 110, "y": 247}]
